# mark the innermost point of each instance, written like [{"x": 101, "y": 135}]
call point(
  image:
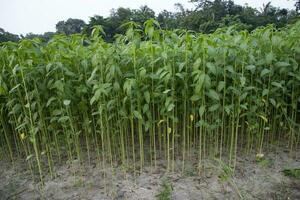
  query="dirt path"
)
[{"x": 252, "y": 180}]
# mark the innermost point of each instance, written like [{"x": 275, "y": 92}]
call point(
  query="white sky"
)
[{"x": 39, "y": 16}]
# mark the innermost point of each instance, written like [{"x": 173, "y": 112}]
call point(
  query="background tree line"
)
[{"x": 205, "y": 17}]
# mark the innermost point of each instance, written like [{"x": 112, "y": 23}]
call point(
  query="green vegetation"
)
[
  {"x": 149, "y": 95},
  {"x": 226, "y": 172},
  {"x": 292, "y": 173},
  {"x": 206, "y": 16},
  {"x": 166, "y": 191}
]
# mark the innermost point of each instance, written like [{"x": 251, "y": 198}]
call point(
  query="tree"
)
[
  {"x": 115, "y": 21},
  {"x": 44, "y": 37},
  {"x": 167, "y": 20},
  {"x": 206, "y": 17},
  {"x": 71, "y": 26},
  {"x": 201, "y": 4},
  {"x": 211, "y": 14},
  {"x": 297, "y": 5},
  {"x": 112, "y": 25},
  {"x": 142, "y": 14},
  {"x": 6, "y": 36},
  {"x": 95, "y": 20}
]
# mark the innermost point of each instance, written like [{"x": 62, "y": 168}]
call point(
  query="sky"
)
[{"x": 39, "y": 16}]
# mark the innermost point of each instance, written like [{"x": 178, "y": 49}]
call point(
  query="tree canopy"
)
[
  {"x": 71, "y": 26},
  {"x": 206, "y": 17},
  {"x": 6, "y": 36}
]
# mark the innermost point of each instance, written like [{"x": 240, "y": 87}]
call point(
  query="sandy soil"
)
[{"x": 251, "y": 180}]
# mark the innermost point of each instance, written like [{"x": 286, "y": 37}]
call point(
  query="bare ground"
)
[{"x": 251, "y": 180}]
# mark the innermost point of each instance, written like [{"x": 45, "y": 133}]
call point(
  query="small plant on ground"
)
[
  {"x": 226, "y": 173},
  {"x": 292, "y": 173},
  {"x": 165, "y": 192}
]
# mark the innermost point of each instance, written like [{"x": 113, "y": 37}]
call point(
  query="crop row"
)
[{"x": 149, "y": 95}]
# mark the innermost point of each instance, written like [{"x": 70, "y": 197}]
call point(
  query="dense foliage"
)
[
  {"x": 6, "y": 36},
  {"x": 205, "y": 17},
  {"x": 149, "y": 95}
]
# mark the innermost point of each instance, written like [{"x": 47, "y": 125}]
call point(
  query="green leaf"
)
[
  {"x": 228, "y": 109},
  {"x": 181, "y": 66},
  {"x": 195, "y": 98},
  {"x": 244, "y": 106},
  {"x": 276, "y": 40},
  {"x": 201, "y": 110},
  {"x": 265, "y": 92},
  {"x": 167, "y": 91},
  {"x": 221, "y": 86},
  {"x": 137, "y": 115},
  {"x": 67, "y": 102},
  {"x": 200, "y": 83},
  {"x": 264, "y": 72},
  {"x": 213, "y": 95},
  {"x": 179, "y": 75},
  {"x": 59, "y": 85},
  {"x": 50, "y": 101},
  {"x": 269, "y": 58},
  {"x": 29, "y": 157},
  {"x": 14, "y": 88},
  {"x": 282, "y": 64},
  {"x": 211, "y": 67},
  {"x": 170, "y": 107},
  {"x": 149, "y": 31},
  {"x": 292, "y": 172},
  {"x": 2, "y": 91},
  {"x": 211, "y": 51},
  {"x": 63, "y": 119},
  {"x": 263, "y": 118},
  {"x": 143, "y": 72},
  {"x": 145, "y": 108},
  {"x": 213, "y": 107},
  {"x": 196, "y": 64},
  {"x": 93, "y": 99},
  {"x": 48, "y": 66},
  {"x": 273, "y": 102},
  {"x": 276, "y": 84},
  {"x": 207, "y": 81},
  {"x": 251, "y": 68},
  {"x": 56, "y": 112},
  {"x": 147, "y": 96},
  {"x": 243, "y": 81},
  {"x": 243, "y": 96},
  {"x": 116, "y": 86}
]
